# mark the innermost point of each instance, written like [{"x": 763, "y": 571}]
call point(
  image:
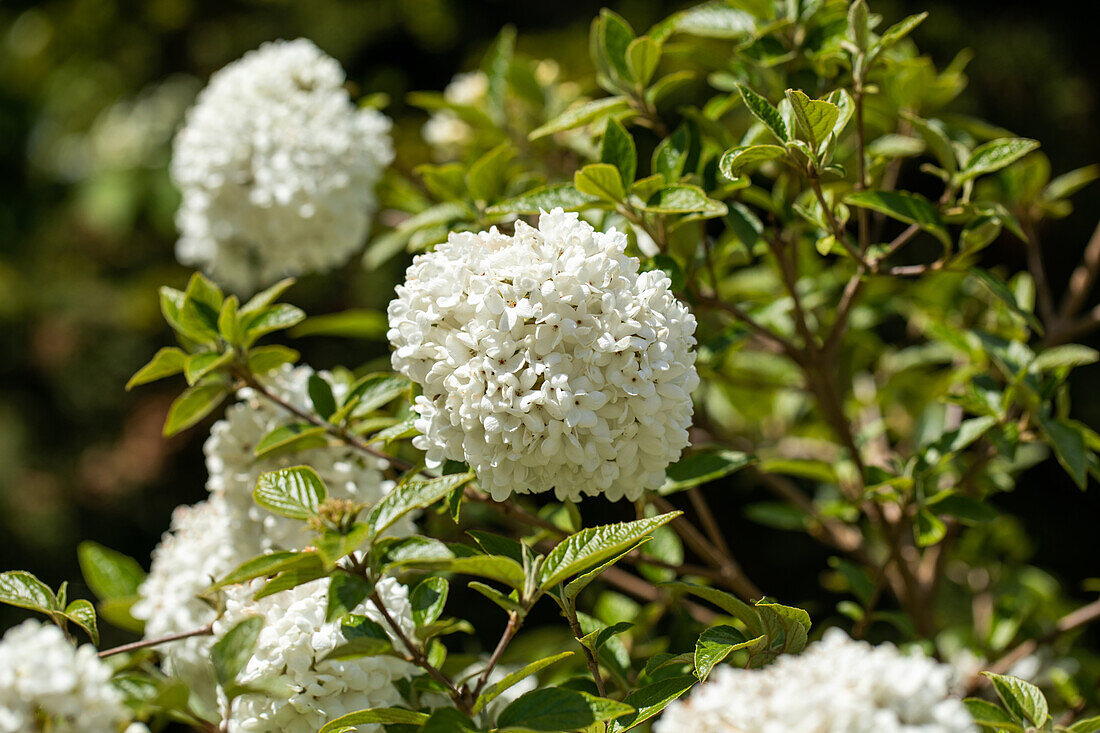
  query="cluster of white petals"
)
[
  {"x": 547, "y": 360},
  {"x": 295, "y": 638},
  {"x": 44, "y": 677},
  {"x": 213, "y": 537},
  {"x": 836, "y": 686},
  {"x": 447, "y": 131},
  {"x": 277, "y": 168}
]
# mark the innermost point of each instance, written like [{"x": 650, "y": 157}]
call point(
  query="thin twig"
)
[
  {"x": 514, "y": 622},
  {"x": 207, "y": 630},
  {"x": 593, "y": 665},
  {"x": 706, "y": 516},
  {"x": 1083, "y": 277},
  {"x": 1038, "y": 272}
]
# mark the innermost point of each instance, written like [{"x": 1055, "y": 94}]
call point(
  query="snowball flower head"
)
[
  {"x": 446, "y": 130},
  {"x": 42, "y": 675},
  {"x": 547, "y": 360},
  {"x": 293, "y": 641},
  {"x": 277, "y": 168},
  {"x": 234, "y": 468},
  {"x": 836, "y": 686}
]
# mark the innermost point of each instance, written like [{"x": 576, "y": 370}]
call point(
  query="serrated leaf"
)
[
  {"x": 291, "y": 492},
  {"x": 108, "y": 573},
  {"x": 581, "y": 114},
  {"x": 910, "y": 208},
  {"x": 544, "y": 198},
  {"x": 734, "y": 160},
  {"x": 412, "y": 495},
  {"x": 82, "y": 613},
  {"x": 650, "y": 700},
  {"x": 493, "y": 691},
  {"x": 264, "y": 359},
  {"x": 261, "y": 566},
  {"x": 296, "y": 436},
  {"x": 715, "y": 644},
  {"x": 684, "y": 199},
  {"x": 765, "y": 112},
  {"x": 398, "y": 716},
  {"x": 730, "y": 604},
  {"x": 558, "y": 709},
  {"x": 1069, "y": 447},
  {"x": 816, "y": 117},
  {"x": 617, "y": 148},
  {"x": 23, "y": 590},
  {"x": 345, "y": 592},
  {"x": 165, "y": 363},
  {"x": 193, "y": 405},
  {"x": 231, "y": 653},
  {"x": 702, "y": 468},
  {"x": 373, "y": 391},
  {"x": 994, "y": 155},
  {"x": 1022, "y": 699},
  {"x": 428, "y": 599},
  {"x": 600, "y": 180},
  {"x": 363, "y": 646},
  {"x": 579, "y": 552}
]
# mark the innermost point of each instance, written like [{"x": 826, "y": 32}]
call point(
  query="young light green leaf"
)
[
  {"x": 617, "y": 148},
  {"x": 898, "y": 31},
  {"x": 929, "y": 529},
  {"x": 501, "y": 569},
  {"x": 1001, "y": 291},
  {"x": 398, "y": 716},
  {"x": 363, "y": 646},
  {"x": 642, "y": 57},
  {"x": 544, "y": 198},
  {"x": 265, "y": 297},
  {"x": 765, "y": 112},
  {"x": 273, "y": 318},
  {"x": 487, "y": 177},
  {"x": 558, "y": 709},
  {"x": 581, "y": 114},
  {"x": 991, "y": 716},
  {"x": 715, "y": 19},
  {"x": 715, "y": 644},
  {"x": 910, "y": 208},
  {"x": 165, "y": 363},
  {"x": 193, "y": 405},
  {"x": 937, "y": 141},
  {"x": 684, "y": 199},
  {"x": 264, "y": 359},
  {"x": 413, "y": 495},
  {"x": 600, "y": 180},
  {"x": 994, "y": 155},
  {"x": 650, "y": 700},
  {"x": 493, "y": 691},
  {"x": 293, "y": 437},
  {"x": 735, "y": 159},
  {"x": 816, "y": 117},
  {"x": 82, "y": 613},
  {"x": 1070, "y": 183},
  {"x": 730, "y": 604},
  {"x": 1066, "y": 355},
  {"x": 506, "y": 602},
  {"x": 108, "y": 573},
  {"x": 357, "y": 323},
  {"x": 702, "y": 468},
  {"x": 291, "y": 492},
  {"x": 23, "y": 590},
  {"x": 199, "y": 365},
  {"x": 579, "y": 552},
  {"x": 261, "y": 566},
  {"x": 1022, "y": 699},
  {"x": 231, "y": 653}
]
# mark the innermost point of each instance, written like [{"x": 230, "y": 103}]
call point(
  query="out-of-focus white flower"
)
[
  {"x": 277, "y": 168},
  {"x": 199, "y": 548},
  {"x": 234, "y": 469},
  {"x": 547, "y": 361},
  {"x": 42, "y": 675},
  {"x": 444, "y": 130},
  {"x": 836, "y": 686},
  {"x": 294, "y": 640}
]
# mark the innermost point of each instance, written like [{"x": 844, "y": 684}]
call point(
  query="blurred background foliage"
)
[{"x": 91, "y": 92}]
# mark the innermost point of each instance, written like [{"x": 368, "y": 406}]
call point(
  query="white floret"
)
[
  {"x": 43, "y": 676},
  {"x": 547, "y": 360},
  {"x": 276, "y": 167},
  {"x": 293, "y": 641},
  {"x": 836, "y": 686}
]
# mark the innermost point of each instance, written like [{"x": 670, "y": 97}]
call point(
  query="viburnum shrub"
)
[{"x": 701, "y": 262}]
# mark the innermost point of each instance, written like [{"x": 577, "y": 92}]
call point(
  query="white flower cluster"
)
[
  {"x": 836, "y": 686},
  {"x": 445, "y": 130},
  {"x": 547, "y": 361},
  {"x": 277, "y": 168},
  {"x": 210, "y": 539},
  {"x": 294, "y": 640},
  {"x": 44, "y": 677}
]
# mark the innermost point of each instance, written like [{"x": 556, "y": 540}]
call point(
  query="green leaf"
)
[
  {"x": 730, "y": 604},
  {"x": 320, "y": 396},
  {"x": 306, "y": 568},
  {"x": 558, "y": 709},
  {"x": 1070, "y": 183},
  {"x": 715, "y": 644},
  {"x": 650, "y": 700},
  {"x": 199, "y": 365},
  {"x": 575, "y": 586},
  {"x": 670, "y": 157},
  {"x": 292, "y": 492},
  {"x": 293, "y": 437},
  {"x": 502, "y": 569},
  {"x": 702, "y": 468},
  {"x": 581, "y": 114},
  {"x": 1087, "y": 725},
  {"x": 165, "y": 363},
  {"x": 994, "y": 155},
  {"x": 684, "y": 199},
  {"x": 998, "y": 288},
  {"x": 765, "y": 112},
  {"x": 262, "y": 566},
  {"x": 937, "y": 141},
  {"x": 398, "y": 716},
  {"x": 859, "y": 26},
  {"x": 600, "y": 180},
  {"x": 487, "y": 177},
  {"x": 1069, "y": 447},
  {"x": 642, "y": 57},
  {"x": 428, "y": 599},
  {"x": 82, "y": 613},
  {"x": 1022, "y": 699},
  {"x": 506, "y": 602},
  {"x": 271, "y": 319},
  {"x": 193, "y": 405},
  {"x": 1066, "y": 355},
  {"x": 910, "y": 208},
  {"x": 171, "y": 301},
  {"x": 899, "y": 30},
  {"x": 265, "y": 297},
  {"x": 359, "y": 323},
  {"x": 989, "y": 715},
  {"x": 962, "y": 507},
  {"x": 231, "y": 653},
  {"x": 617, "y": 148},
  {"x": 929, "y": 528},
  {"x": 735, "y": 159},
  {"x": 448, "y": 720},
  {"x": 198, "y": 321},
  {"x": 816, "y": 117},
  {"x": 375, "y": 390},
  {"x": 413, "y": 495},
  {"x": 23, "y": 590},
  {"x": 363, "y": 646},
  {"x": 785, "y": 627},
  {"x": 579, "y": 552},
  {"x": 264, "y": 359},
  {"x": 345, "y": 592},
  {"x": 496, "y": 64},
  {"x": 544, "y": 198},
  {"x": 108, "y": 573},
  {"x": 715, "y": 19},
  {"x": 615, "y": 35},
  {"x": 493, "y": 691},
  {"x": 228, "y": 323}
]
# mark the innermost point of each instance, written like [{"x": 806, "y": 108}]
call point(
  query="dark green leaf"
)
[
  {"x": 617, "y": 148},
  {"x": 232, "y": 652},
  {"x": 374, "y": 715},
  {"x": 702, "y": 468},
  {"x": 345, "y": 592},
  {"x": 765, "y": 112},
  {"x": 491, "y": 692},
  {"x": 1068, "y": 443},
  {"x": 650, "y": 700},
  {"x": 428, "y": 599},
  {"x": 21, "y": 589},
  {"x": 910, "y": 208},
  {"x": 557, "y": 709},
  {"x": 715, "y": 644},
  {"x": 320, "y": 396}
]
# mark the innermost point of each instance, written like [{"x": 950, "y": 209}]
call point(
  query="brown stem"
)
[
  {"x": 593, "y": 666},
  {"x": 778, "y": 341},
  {"x": 1038, "y": 272},
  {"x": 514, "y": 622},
  {"x": 706, "y": 516},
  {"x": 207, "y": 630},
  {"x": 861, "y": 165},
  {"x": 834, "y": 225},
  {"x": 1083, "y": 277}
]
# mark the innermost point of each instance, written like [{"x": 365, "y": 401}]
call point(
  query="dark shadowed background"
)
[{"x": 90, "y": 93}]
